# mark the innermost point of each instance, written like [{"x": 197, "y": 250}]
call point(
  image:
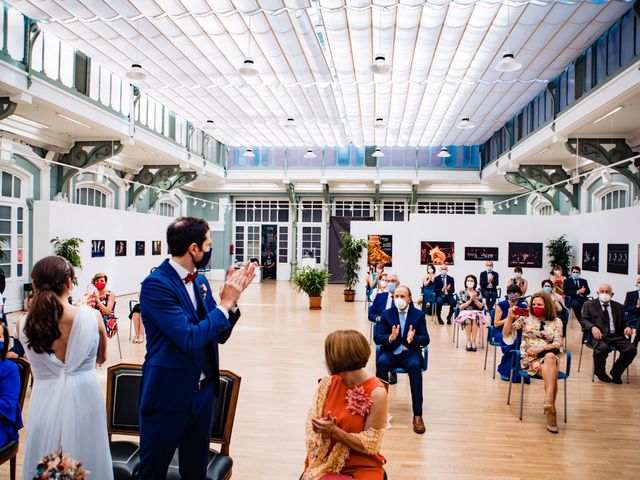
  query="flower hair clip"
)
[{"x": 358, "y": 402}]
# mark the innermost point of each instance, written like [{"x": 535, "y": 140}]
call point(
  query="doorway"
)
[{"x": 268, "y": 251}]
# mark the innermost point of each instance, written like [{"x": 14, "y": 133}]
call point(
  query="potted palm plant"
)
[
  {"x": 350, "y": 254},
  {"x": 312, "y": 281},
  {"x": 68, "y": 248},
  {"x": 560, "y": 253}
]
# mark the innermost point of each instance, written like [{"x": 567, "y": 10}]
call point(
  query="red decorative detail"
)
[{"x": 358, "y": 402}]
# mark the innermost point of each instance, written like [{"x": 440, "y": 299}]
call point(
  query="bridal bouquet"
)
[{"x": 59, "y": 466}]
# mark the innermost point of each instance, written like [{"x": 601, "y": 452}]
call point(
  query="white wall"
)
[
  {"x": 64, "y": 220},
  {"x": 614, "y": 226}
]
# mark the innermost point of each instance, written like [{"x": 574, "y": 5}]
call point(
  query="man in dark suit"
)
[
  {"x": 401, "y": 334},
  {"x": 444, "y": 287},
  {"x": 576, "y": 290},
  {"x": 632, "y": 308},
  {"x": 180, "y": 377},
  {"x": 489, "y": 281},
  {"x": 382, "y": 302},
  {"x": 604, "y": 319}
]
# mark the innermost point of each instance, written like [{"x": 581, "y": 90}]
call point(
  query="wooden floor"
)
[{"x": 277, "y": 348}]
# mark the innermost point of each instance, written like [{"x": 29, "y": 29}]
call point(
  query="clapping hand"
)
[
  {"x": 447, "y": 287},
  {"x": 325, "y": 426},
  {"x": 235, "y": 283},
  {"x": 581, "y": 291},
  {"x": 628, "y": 331},
  {"x": 410, "y": 334},
  {"x": 395, "y": 331}
]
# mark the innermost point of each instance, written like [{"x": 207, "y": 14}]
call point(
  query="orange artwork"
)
[
  {"x": 379, "y": 249},
  {"x": 436, "y": 253}
]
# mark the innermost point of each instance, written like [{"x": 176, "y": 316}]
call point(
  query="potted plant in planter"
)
[
  {"x": 68, "y": 248},
  {"x": 560, "y": 253},
  {"x": 350, "y": 254},
  {"x": 311, "y": 281}
]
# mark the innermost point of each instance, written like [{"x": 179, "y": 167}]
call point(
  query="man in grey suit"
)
[{"x": 604, "y": 319}]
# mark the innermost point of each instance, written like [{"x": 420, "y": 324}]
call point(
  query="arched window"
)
[
  {"x": 89, "y": 194},
  {"x": 610, "y": 197},
  {"x": 167, "y": 209},
  {"x": 543, "y": 208},
  {"x": 11, "y": 185}
]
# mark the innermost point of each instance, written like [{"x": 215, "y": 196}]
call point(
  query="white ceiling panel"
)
[{"x": 313, "y": 59}]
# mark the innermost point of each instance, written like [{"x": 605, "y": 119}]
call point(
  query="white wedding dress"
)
[{"x": 67, "y": 410}]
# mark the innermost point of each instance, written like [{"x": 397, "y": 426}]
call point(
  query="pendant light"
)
[
  {"x": 136, "y": 73},
  {"x": 289, "y": 123},
  {"x": 508, "y": 63},
  {"x": 379, "y": 65},
  {"x": 465, "y": 124},
  {"x": 248, "y": 153},
  {"x": 248, "y": 68},
  {"x": 444, "y": 153},
  {"x": 379, "y": 122},
  {"x": 309, "y": 154}
]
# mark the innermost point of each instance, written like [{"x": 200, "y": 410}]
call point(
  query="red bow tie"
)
[{"x": 190, "y": 277}]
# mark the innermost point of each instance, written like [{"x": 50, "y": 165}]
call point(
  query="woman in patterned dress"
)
[
  {"x": 105, "y": 303},
  {"x": 349, "y": 414},
  {"x": 471, "y": 311},
  {"x": 540, "y": 347}
]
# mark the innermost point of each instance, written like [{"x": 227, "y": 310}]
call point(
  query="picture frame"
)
[
  {"x": 618, "y": 258},
  {"x": 97, "y": 248},
  {"x": 482, "y": 254},
  {"x": 380, "y": 249},
  {"x": 140, "y": 248},
  {"x": 156, "y": 247},
  {"x": 525, "y": 254},
  {"x": 437, "y": 253},
  {"x": 591, "y": 257},
  {"x": 121, "y": 248}
]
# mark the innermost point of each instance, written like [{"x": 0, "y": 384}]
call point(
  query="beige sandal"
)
[{"x": 551, "y": 410}]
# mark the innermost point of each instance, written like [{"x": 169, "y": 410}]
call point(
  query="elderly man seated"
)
[{"x": 604, "y": 319}]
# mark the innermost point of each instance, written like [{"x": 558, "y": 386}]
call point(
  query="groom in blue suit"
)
[
  {"x": 401, "y": 334},
  {"x": 180, "y": 377}
]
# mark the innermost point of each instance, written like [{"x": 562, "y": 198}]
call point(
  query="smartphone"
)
[{"x": 521, "y": 312}]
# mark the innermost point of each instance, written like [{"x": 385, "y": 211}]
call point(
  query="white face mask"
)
[
  {"x": 518, "y": 275},
  {"x": 383, "y": 284},
  {"x": 470, "y": 284},
  {"x": 401, "y": 304},
  {"x": 604, "y": 297},
  {"x": 443, "y": 273}
]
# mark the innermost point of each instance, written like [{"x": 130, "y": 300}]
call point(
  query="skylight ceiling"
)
[{"x": 313, "y": 61}]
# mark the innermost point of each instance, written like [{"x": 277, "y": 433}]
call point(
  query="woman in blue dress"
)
[
  {"x": 10, "y": 414},
  {"x": 428, "y": 292},
  {"x": 502, "y": 310}
]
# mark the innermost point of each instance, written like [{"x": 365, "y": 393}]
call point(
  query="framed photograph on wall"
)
[
  {"x": 590, "y": 257},
  {"x": 121, "y": 248},
  {"x": 522, "y": 254},
  {"x": 97, "y": 248},
  {"x": 618, "y": 258},
  {"x": 140, "y": 247},
  {"x": 380, "y": 249},
  {"x": 437, "y": 253},
  {"x": 156, "y": 247},
  {"x": 481, "y": 253}
]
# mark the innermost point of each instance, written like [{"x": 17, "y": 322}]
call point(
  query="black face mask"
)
[{"x": 204, "y": 261}]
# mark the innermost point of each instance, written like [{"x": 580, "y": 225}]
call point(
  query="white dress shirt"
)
[{"x": 389, "y": 300}]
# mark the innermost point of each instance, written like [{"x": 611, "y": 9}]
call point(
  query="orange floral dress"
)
[{"x": 338, "y": 403}]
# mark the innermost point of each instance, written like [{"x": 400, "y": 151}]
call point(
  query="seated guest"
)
[
  {"x": 371, "y": 279},
  {"x": 348, "y": 417},
  {"x": 558, "y": 302},
  {"x": 428, "y": 289},
  {"x": 383, "y": 300},
  {"x": 577, "y": 290},
  {"x": 604, "y": 319},
  {"x": 489, "y": 281},
  {"x": 10, "y": 414},
  {"x": 470, "y": 311},
  {"x": 17, "y": 350},
  {"x": 135, "y": 318},
  {"x": 540, "y": 347},
  {"x": 103, "y": 300},
  {"x": 401, "y": 334},
  {"x": 444, "y": 287},
  {"x": 382, "y": 287},
  {"x": 632, "y": 308},
  {"x": 557, "y": 279},
  {"x": 519, "y": 280},
  {"x": 503, "y": 308}
]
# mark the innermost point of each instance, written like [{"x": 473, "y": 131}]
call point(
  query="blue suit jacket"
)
[
  {"x": 484, "y": 280},
  {"x": 181, "y": 344},
  {"x": 390, "y": 318},
  {"x": 438, "y": 285},
  {"x": 379, "y": 305},
  {"x": 570, "y": 289}
]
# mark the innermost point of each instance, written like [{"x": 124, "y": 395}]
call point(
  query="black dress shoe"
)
[
  {"x": 449, "y": 321},
  {"x": 603, "y": 377},
  {"x": 616, "y": 379},
  {"x": 393, "y": 378},
  {"x": 440, "y": 321}
]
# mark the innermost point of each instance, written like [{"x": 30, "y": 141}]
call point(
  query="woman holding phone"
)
[
  {"x": 502, "y": 310},
  {"x": 540, "y": 347}
]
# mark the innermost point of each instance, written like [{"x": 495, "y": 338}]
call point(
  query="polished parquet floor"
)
[{"x": 277, "y": 348}]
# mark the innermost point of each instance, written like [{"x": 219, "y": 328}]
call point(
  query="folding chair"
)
[{"x": 586, "y": 340}]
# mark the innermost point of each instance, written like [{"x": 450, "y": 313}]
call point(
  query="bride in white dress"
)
[{"x": 63, "y": 344}]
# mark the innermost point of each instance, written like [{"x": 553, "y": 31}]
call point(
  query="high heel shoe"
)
[{"x": 550, "y": 410}]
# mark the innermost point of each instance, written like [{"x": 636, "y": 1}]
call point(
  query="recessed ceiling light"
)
[
  {"x": 309, "y": 154},
  {"x": 248, "y": 68},
  {"x": 615, "y": 110},
  {"x": 465, "y": 124},
  {"x": 508, "y": 63},
  {"x": 377, "y": 153},
  {"x": 73, "y": 120},
  {"x": 135, "y": 73},
  {"x": 248, "y": 153},
  {"x": 444, "y": 153},
  {"x": 379, "y": 65}
]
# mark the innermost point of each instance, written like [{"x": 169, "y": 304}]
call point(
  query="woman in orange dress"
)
[{"x": 349, "y": 414}]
